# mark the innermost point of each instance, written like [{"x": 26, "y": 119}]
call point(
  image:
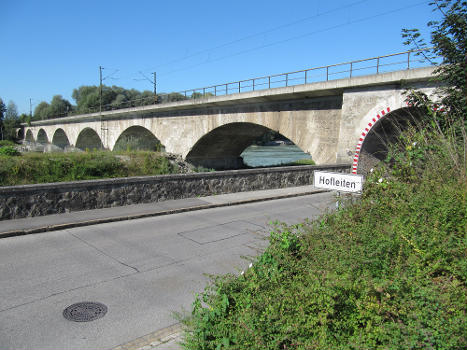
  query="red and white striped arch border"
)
[{"x": 362, "y": 138}]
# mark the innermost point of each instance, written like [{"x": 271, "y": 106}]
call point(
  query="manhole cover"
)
[{"x": 85, "y": 311}]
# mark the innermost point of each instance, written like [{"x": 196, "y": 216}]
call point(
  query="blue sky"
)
[{"x": 51, "y": 47}]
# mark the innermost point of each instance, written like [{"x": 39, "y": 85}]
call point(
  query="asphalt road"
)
[{"x": 143, "y": 270}]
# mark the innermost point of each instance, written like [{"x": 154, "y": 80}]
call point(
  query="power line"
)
[
  {"x": 261, "y": 33},
  {"x": 296, "y": 37}
]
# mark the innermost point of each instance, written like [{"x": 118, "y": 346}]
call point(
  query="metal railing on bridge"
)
[{"x": 374, "y": 65}]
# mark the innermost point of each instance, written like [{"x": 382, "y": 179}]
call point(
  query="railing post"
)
[
  {"x": 204, "y": 92},
  {"x": 215, "y": 90},
  {"x": 269, "y": 82},
  {"x": 351, "y": 67},
  {"x": 287, "y": 79},
  {"x": 408, "y": 60},
  {"x": 239, "y": 88},
  {"x": 306, "y": 73},
  {"x": 327, "y": 73},
  {"x": 377, "y": 65},
  {"x": 253, "y": 84},
  {"x": 226, "y": 89}
]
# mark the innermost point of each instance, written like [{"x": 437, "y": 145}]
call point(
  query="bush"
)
[
  {"x": 6, "y": 143},
  {"x": 389, "y": 272},
  {"x": 58, "y": 167},
  {"x": 9, "y": 151}
]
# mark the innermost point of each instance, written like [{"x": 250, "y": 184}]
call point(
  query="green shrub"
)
[
  {"x": 9, "y": 151},
  {"x": 389, "y": 272},
  {"x": 57, "y": 167},
  {"x": 6, "y": 143}
]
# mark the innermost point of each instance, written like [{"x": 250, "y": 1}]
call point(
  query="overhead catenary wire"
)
[
  {"x": 347, "y": 23},
  {"x": 250, "y": 36}
]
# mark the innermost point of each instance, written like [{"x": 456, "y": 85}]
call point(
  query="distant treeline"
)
[{"x": 87, "y": 100}]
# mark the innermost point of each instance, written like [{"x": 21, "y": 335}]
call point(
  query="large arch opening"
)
[
  {"x": 137, "y": 138},
  {"x": 230, "y": 147},
  {"x": 89, "y": 140},
  {"x": 29, "y": 136},
  {"x": 42, "y": 137},
  {"x": 60, "y": 139},
  {"x": 383, "y": 135}
]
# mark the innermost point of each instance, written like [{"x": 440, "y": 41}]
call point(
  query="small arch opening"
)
[
  {"x": 88, "y": 139},
  {"x": 138, "y": 138},
  {"x": 60, "y": 139},
  {"x": 29, "y": 136},
  {"x": 42, "y": 137}
]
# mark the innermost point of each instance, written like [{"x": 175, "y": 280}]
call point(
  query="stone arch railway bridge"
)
[{"x": 328, "y": 119}]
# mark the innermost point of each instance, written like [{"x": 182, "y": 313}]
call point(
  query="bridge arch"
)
[
  {"x": 221, "y": 147},
  {"x": 42, "y": 137},
  {"x": 60, "y": 138},
  {"x": 137, "y": 138},
  {"x": 382, "y": 131},
  {"x": 29, "y": 136},
  {"x": 89, "y": 139}
]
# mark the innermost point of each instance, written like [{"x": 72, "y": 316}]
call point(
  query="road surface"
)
[{"x": 143, "y": 270}]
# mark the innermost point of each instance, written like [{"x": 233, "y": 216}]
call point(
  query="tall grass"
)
[
  {"x": 389, "y": 272},
  {"x": 57, "y": 167}
]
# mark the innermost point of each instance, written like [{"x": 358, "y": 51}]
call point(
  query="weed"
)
[{"x": 388, "y": 272}]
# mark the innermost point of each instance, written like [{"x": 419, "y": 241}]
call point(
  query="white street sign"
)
[{"x": 338, "y": 181}]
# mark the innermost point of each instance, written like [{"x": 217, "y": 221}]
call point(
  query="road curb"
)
[
  {"x": 23, "y": 232},
  {"x": 154, "y": 339}
]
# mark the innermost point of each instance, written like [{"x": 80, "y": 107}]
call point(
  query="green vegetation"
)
[
  {"x": 9, "y": 151},
  {"x": 9, "y": 120},
  {"x": 4, "y": 143},
  {"x": 88, "y": 100},
  {"x": 57, "y": 167},
  {"x": 306, "y": 161},
  {"x": 388, "y": 272}
]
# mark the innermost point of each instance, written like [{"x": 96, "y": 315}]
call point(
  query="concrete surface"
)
[
  {"x": 17, "y": 227},
  {"x": 144, "y": 270}
]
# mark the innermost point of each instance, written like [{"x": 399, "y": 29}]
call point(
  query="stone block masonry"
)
[{"x": 54, "y": 198}]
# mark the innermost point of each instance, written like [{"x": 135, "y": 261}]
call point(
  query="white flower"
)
[
  {"x": 414, "y": 144},
  {"x": 380, "y": 180},
  {"x": 249, "y": 266},
  {"x": 242, "y": 272},
  {"x": 371, "y": 170}
]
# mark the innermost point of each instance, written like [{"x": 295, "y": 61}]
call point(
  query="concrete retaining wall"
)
[{"x": 53, "y": 198}]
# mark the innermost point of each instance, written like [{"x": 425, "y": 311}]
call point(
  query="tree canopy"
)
[{"x": 448, "y": 42}]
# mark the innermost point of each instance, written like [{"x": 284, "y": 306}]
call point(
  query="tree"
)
[
  {"x": 148, "y": 98},
  {"x": 448, "y": 41},
  {"x": 41, "y": 111},
  {"x": 11, "y": 121},
  {"x": 86, "y": 98},
  {"x": 59, "y": 107},
  {"x": 172, "y": 97},
  {"x": 2, "y": 112}
]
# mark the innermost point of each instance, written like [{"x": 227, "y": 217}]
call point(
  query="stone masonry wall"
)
[{"x": 44, "y": 199}]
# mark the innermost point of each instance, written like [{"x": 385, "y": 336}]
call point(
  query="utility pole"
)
[
  {"x": 155, "y": 89},
  {"x": 100, "y": 88},
  {"x": 30, "y": 108}
]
